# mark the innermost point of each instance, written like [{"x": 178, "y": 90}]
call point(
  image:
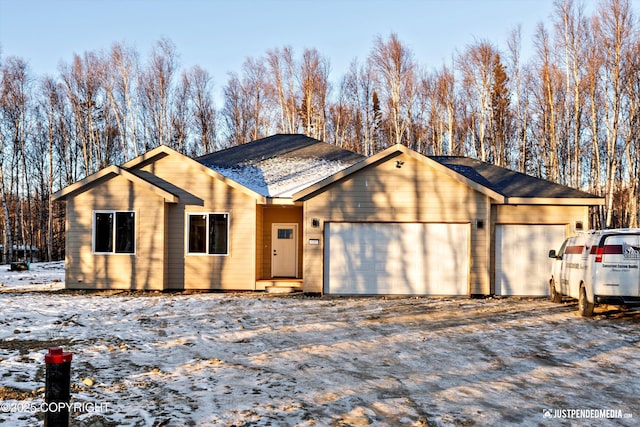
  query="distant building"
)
[{"x": 20, "y": 253}]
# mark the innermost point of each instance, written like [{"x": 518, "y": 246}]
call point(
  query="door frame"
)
[{"x": 274, "y": 237}]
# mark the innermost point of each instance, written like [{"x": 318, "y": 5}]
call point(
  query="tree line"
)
[{"x": 569, "y": 114}]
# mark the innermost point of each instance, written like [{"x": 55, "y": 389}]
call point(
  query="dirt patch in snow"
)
[
  {"x": 28, "y": 346},
  {"x": 12, "y": 393}
]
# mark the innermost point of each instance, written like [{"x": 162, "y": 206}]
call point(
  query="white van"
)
[{"x": 598, "y": 267}]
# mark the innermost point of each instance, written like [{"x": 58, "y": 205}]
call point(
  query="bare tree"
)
[
  {"x": 394, "y": 69},
  {"x": 360, "y": 110},
  {"x": 435, "y": 113},
  {"x": 236, "y": 112},
  {"x": 548, "y": 96},
  {"x": 83, "y": 82},
  {"x": 120, "y": 85},
  {"x": 520, "y": 101},
  {"x": 14, "y": 112},
  {"x": 445, "y": 99},
  {"x": 314, "y": 88},
  {"x": 477, "y": 67},
  {"x": 340, "y": 122},
  {"x": 257, "y": 91},
  {"x": 62, "y": 160},
  {"x": 501, "y": 123},
  {"x": 179, "y": 115},
  {"x": 613, "y": 29},
  {"x": 53, "y": 111},
  {"x": 632, "y": 125},
  {"x": 282, "y": 71},
  {"x": 594, "y": 100},
  {"x": 202, "y": 109},
  {"x": 572, "y": 28},
  {"x": 155, "y": 85}
]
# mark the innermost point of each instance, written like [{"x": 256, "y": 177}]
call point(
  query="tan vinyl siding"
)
[
  {"x": 145, "y": 269},
  {"x": 204, "y": 193},
  {"x": 541, "y": 214},
  {"x": 382, "y": 192}
]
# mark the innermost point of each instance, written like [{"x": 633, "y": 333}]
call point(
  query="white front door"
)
[{"x": 284, "y": 250}]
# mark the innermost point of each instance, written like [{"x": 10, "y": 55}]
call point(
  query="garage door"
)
[
  {"x": 396, "y": 259},
  {"x": 522, "y": 262}
]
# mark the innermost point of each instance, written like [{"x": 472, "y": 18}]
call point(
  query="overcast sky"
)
[{"x": 219, "y": 35}]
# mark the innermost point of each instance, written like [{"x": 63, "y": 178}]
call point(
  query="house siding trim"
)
[
  {"x": 106, "y": 174},
  {"x": 595, "y": 201},
  {"x": 163, "y": 151}
]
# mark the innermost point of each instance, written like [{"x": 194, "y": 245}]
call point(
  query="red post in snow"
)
[{"x": 57, "y": 392}]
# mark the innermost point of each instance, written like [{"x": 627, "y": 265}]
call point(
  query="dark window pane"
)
[
  {"x": 125, "y": 232},
  {"x": 197, "y": 233},
  {"x": 285, "y": 233},
  {"x": 103, "y": 237},
  {"x": 218, "y": 226}
]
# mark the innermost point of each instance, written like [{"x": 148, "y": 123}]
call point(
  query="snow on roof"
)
[{"x": 281, "y": 176}]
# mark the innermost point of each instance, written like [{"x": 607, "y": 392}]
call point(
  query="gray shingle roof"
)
[
  {"x": 281, "y": 146},
  {"x": 507, "y": 182},
  {"x": 280, "y": 165}
]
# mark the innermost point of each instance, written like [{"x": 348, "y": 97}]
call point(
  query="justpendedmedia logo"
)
[{"x": 585, "y": 413}]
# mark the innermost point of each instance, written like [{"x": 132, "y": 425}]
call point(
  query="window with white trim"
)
[
  {"x": 208, "y": 233},
  {"x": 114, "y": 232}
]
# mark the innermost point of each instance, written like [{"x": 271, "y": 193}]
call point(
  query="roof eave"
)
[
  {"x": 79, "y": 186},
  {"x": 167, "y": 196},
  {"x": 113, "y": 170},
  {"x": 279, "y": 201},
  {"x": 159, "y": 151},
  {"x": 163, "y": 150},
  {"x": 562, "y": 201}
]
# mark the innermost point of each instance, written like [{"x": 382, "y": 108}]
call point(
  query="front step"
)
[
  {"x": 279, "y": 285},
  {"x": 282, "y": 289}
]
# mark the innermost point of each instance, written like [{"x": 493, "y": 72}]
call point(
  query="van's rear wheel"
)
[
  {"x": 553, "y": 295},
  {"x": 585, "y": 308}
]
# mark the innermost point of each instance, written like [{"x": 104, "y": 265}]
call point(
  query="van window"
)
[
  {"x": 560, "y": 253},
  {"x": 627, "y": 246}
]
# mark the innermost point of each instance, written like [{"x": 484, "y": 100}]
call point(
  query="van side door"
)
[
  {"x": 575, "y": 258},
  {"x": 557, "y": 269}
]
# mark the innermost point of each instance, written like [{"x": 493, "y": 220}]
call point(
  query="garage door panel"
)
[
  {"x": 444, "y": 259},
  {"x": 396, "y": 258},
  {"x": 522, "y": 263}
]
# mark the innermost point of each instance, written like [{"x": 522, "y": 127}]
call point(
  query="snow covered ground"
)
[{"x": 209, "y": 359}]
